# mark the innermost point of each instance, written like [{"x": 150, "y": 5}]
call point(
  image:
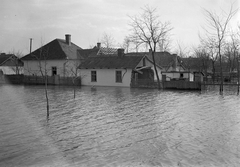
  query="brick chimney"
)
[
  {"x": 68, "y": 39},
  {"x": 98, "y": 45},
  {"x": 120, "y": 52}
]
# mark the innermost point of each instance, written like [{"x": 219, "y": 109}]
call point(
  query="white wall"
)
[
  {"x": 106, "y": 77},
  {"x": 11, "y": 70},
  {"x": 176, "y": 75},
  {"x": 64, "y": 67},
  {"x": 178, "y": 68}
]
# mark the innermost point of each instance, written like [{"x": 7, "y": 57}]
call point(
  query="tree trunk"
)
[
  {"x": 74, "y": 89},
  {"x": 213, "y": 70},
  {"x": 238, "y": 75},
  {"x": 221, "y": 74},
  {"x": 46, "y": 94},
  {"x": 155, "y": 69}
]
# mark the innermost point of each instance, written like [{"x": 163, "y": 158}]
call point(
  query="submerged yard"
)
[{"x": 107, "y": 126}]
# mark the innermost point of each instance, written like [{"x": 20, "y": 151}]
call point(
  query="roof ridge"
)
[
  {"x": 10, "y": 55},
  {"x": 63, "y": 40}
]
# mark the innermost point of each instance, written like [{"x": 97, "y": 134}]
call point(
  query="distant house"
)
[
  {"x": 178, "y": 75},
  {"x": 96, "y": 51},
  {"x": 230, "y": 72},
  {"x": 116, "y": 70},
  {"x": 169, "y": 62},
  {"x": 173, "y": 67},
  {"x": 196, "y": 64},
  {"x": 57, "y": 58},
  {"x": 10, "y": 64},
  {"x": 201, "y": 68}
]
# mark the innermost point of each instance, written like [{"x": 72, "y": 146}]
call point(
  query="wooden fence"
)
[
  {"x": 144, "y": 83},
  {"x": 13, "y": 79},
  {"x": 178, "y": 84},
  {"x": 182, "y": 85},
  {"x": 51, "y": 80}
]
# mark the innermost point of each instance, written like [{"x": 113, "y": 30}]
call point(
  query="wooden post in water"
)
[{"x": 238, "y": 73}]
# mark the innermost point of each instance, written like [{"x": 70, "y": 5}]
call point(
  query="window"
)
[
  {"x": 118, "y": 76},
  {"x": 94, "y": 76},
  {"x": 54, "y": 71},
  {"x": 181, "y": 75}
]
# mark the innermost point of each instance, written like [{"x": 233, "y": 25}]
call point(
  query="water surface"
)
[{"x": 107, "y": 126}]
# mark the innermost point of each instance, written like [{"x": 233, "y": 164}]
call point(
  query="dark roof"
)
[
  {"x": 9, "y": 60},
  {"x": 197, "y": 64},
  {"x": 164, "y": 59},
  {"x": 106, "y": 51},
  {"x": 111, "y": 62},
  {"x": 4, "y": 57},
  {"x": 84, "y": 53},
  {"x": 225, "y": 67},
  {"x": 57, "y": 49},
  {"x": 96, "y": 52}
]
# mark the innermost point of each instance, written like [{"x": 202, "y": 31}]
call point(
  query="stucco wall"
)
[
  {"x": 176, "y": 75},
  {"x": 11, "y": 70},
  {"x": 106, "y": 77},
  {"x": 64, "y": 67},
  {"x": 178, "y": 68}
]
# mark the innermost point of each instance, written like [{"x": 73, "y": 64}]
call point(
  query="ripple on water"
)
[{"x": 121, "y": 127}]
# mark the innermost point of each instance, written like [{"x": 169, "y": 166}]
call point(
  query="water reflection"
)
[{"x": 106, "y": 126}]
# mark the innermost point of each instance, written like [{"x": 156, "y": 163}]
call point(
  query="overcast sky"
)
[{"x": 88, "y": 20}]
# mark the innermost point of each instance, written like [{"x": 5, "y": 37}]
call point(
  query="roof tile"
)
[{"x": 57, "y": 49}]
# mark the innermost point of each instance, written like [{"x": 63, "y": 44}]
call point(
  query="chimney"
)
[
  {"x": 120, "y": 52},
  {"x": 98, "y": 45},
  {"x": 68, "y": 39},
  {"x": 150, "y": 50}
]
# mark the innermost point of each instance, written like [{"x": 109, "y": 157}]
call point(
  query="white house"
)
[
  {"x": 57, "y": 58},
  {"x": 10, "y": 64},
  {"x": 116, "y": 70}
]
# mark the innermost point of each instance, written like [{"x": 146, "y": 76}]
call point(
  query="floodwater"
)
[{"x": 107, "y": 126}]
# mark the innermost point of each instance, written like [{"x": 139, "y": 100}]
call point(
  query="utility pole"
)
[{"x": 30, "y": 46}]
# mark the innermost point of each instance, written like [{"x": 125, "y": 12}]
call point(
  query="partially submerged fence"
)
[
  {"x": 178, "y": 84},
  {"x": 144, "y": 83},
  {"x": 13, "y": 79},
  {"x": 52, "y": 80},
  {"x": 184, "y": 85}
]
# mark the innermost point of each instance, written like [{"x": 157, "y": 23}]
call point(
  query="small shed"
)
[{"x": 178, "y": 75}]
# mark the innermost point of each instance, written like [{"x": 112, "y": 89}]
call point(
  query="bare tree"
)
[
  {"x": 204, "y": 57},
  {"x": 148, "y": 29},
  {"x": 218, "y": 30},
  {"x": 41, "y": 58},
  {"x": 231, "y": 50},
  {"x": 165, "y": 44},
  {"x": 43, "y": 70},
  {"x": 107, "y": 40},
  {"x": 210, "y": 47},
  {"x": 73, "y": 72},
  {"x": 126, "y": 44},
  {"x": 182, "y": 51}
]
